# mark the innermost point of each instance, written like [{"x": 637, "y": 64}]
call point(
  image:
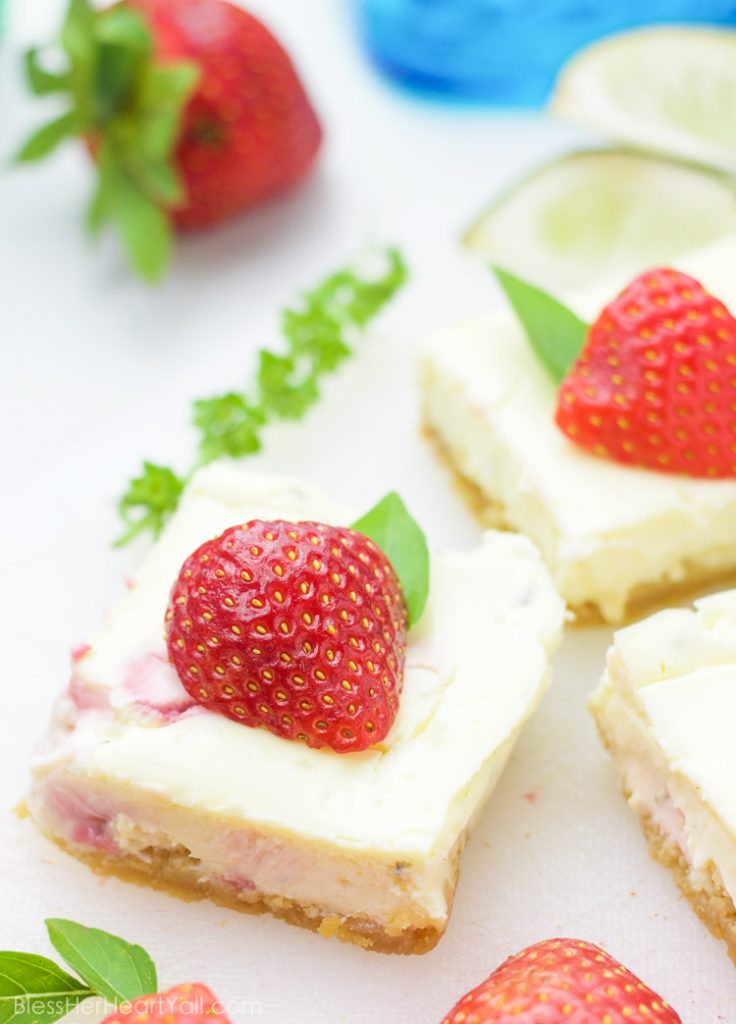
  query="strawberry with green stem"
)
[{"x": 191, "y": 110}]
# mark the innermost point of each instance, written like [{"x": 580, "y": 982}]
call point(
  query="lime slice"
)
[
  {"x": 672, "y": 90},
  {"x": 602, "y": 213}
]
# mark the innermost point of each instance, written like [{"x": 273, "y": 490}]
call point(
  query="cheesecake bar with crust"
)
[
  {"x": 666, "y": 711},
  {"x": 614, "y": 536},
  {"x": 137, "y": 779}
]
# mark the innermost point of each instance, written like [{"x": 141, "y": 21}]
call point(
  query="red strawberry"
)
[
  {"x": 248, "y": 131},
  {"x": 192, "y": 109},
  {"x": 297, "y": 627},
  {"x": 183, "y": 1004},
  {"x": 562, "y": 980},
  {"x": 655, "y": 384}
]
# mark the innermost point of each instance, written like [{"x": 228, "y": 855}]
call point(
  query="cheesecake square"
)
[
  {"x": 615, "y": 537},
  {"x": 666, "y": 712},
  {"x": 138, "y": 780}
]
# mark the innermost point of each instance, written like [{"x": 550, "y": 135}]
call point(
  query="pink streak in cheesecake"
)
[
  {"x": 79, "y": 651},
  {"x": 241, "y": 882},
  {"x": 153, "y": 684},
  {"x": 76, "y": 819},
  {"x": 86, "y": 697}
]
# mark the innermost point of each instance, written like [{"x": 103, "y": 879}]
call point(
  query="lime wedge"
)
[
  {"x": 671, "y": 90},
  {"x": 602, "y": 214}
]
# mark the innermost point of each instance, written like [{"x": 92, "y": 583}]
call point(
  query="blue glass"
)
[{"x": 505, "y": 51}]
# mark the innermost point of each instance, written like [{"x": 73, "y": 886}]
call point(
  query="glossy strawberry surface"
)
[
  {"x": 296, "y": 627},
  {"x": 562, "y": 981},
  {"x": 655, "y": 384},
  {"x": 190, "y": 1003},
  {"x": 249, "y": 130}
]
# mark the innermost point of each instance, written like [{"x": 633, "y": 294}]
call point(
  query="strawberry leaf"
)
[
  {"x": 128, "y": 108},
  {"x": 555, "y": 333},
  {"x": 144, "y": 228},
  {"x": 146, "y": 232},
  {"x": 48, "y": 137},
  {"x": 78, "y": 33},
  {"x": 391, "y": 526},
  {"x": 117, "y": 970},
  {"x": 41, "y": 81},
  {"x": 34, "y": 990},
  {"x": 124, "y": 46},
  {"x": 163, "y": 93}
]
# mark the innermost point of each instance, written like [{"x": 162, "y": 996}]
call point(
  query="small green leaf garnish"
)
[
  {"x": 555, "y": 333},
  {"x": 113, "y": 968},
  {"x": 33, "y": 990},
  {"x": 392, "y": 527},
  {"x": 128, "y": 108},
  {"x": 320, "y": 332}
]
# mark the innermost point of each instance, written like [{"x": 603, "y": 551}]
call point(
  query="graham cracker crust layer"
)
[
  {"x": 644, "y": 599},
  {"x": 175, "y": 872},
  {"x": 711, "y": 902},
  {"x": 709, "y": 898}
]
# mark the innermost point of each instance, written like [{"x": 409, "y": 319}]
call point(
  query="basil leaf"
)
[
  {"x": 555, "y": 333},
  {"x": 114, "y": 968},
  {"x": 391, "y": 526},
  {"x": 33, "y": 990}
]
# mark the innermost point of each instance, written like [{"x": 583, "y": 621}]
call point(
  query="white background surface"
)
[{"x": 98, "y": 372}]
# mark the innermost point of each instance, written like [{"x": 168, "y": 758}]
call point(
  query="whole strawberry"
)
[
  {"x": 191, "y": 1003},
  {"x": 562, "y": 980},
  {"x": 191, "y": 108},
  {"x": 296, "y": 627},
  {"x": 655, "y": 384}
]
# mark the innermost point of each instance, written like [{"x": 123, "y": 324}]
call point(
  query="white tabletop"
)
[{"x": 99, "y": 372}]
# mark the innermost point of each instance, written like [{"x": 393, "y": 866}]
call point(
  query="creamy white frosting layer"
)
[
  {"x": 476, "y": 667},
  {"x": 604, "y": 529},
  {"x": 667, "y": 707}
]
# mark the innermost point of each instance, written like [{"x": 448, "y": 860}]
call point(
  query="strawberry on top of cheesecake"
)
[
  {"x": 139, "y": 777},
  {"x": 298, "y": 627},
  {"x": 610, "y": 445}
]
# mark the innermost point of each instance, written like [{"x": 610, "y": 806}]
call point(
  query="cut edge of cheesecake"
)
[
  {"x": 175, "y": 872},
  {"x": 643, "y": 600},
  {"x": 703, "y": 887}
]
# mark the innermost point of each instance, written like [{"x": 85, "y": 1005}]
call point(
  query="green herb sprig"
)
[
  {"x": 320, "y": 333},
  {"x": 35, "y": 990}
]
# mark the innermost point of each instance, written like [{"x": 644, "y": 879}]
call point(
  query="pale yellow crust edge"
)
[
  {"x": 644, "y": 599},
  {"x": 171, "y": 872},
  {"x": 711, "y": 903},
  {"x": 710, "y": 900}
]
